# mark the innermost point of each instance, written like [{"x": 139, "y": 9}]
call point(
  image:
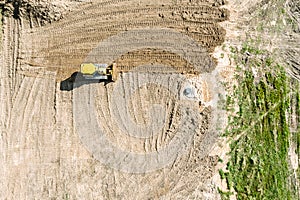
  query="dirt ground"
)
[{"x": 49, "y": 149}]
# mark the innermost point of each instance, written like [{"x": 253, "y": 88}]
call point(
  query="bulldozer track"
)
[
  {"x": 96, "y": 13},
  {"x": 91, "y": 40},
  {"x": 80, "y": 55},
  {"x": 12, "y": 34},
  {"x": 97, "y": 5},
  {"x": 60, "y": 51},
  {"x": 215, "y": 15},
  {"x": 39, "y": 134},
  {"x": 118, "y": 26},
  {"x": 63, "y": 48},
  {"x": 155, "y": 69},
  {"x": 31, "y": 71},
  {"x": 206, "y": 35},
  {"x": 62, "y": 55}
]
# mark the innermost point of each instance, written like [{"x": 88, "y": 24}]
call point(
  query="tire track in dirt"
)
[
  {"x": 31, "y": 137},
  {"x": 112, "y": 48},
  {"x": 9, "y": 83},
  {"x": 131, "y": 13},
  {"x": 46, "y": 50},
  {"x": 11, "y": 55},
  {"x": 30, "y": 125},
  {"x": 5, "y": 92},
  {"x": 108, "y": 27},
  {"x": 97, "y": 8},
  {"x": 138, "y": 107},
  {"x": 139, "y": 36},
  {"x": 84, "y": 32},
  {"x": 7, "y": 52},
  {"x": 5, "y": 98},
  {"x": 116, "y": 26}
]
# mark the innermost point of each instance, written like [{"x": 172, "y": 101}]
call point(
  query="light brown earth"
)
[{"x": 43, "y": 151}]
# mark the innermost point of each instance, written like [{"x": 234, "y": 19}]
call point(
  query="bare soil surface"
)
[{"x": 45, "y": 155}]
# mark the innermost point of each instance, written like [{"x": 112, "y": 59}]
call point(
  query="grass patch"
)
[
  {"x": 258, "y": 167},
  {"x": 297, "y": 97},
  {"x": 271, "y": 17}
]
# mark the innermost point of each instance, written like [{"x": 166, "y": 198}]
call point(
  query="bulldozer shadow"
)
[{"x": 76, "y": 80}]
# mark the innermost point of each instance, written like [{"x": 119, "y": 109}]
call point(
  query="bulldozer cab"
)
[{"x": 96, "y": 71}]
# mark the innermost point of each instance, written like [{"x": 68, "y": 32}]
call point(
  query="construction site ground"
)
[{"x": 44, "y": 151}]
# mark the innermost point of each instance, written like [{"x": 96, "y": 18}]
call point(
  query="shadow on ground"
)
[{"x": 69, "y": 83}]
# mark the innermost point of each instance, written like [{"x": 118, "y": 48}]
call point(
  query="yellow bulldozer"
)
[{"x": 94, "y": 71}]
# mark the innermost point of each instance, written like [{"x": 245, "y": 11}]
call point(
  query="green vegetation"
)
[
  {"x": 66, "y": 196},
  {"x": 297, "y": 97},
  {"x": 271, "y": 17},
  {"x": 259, "y": 127},
  {"x": 296, "y": 135}
]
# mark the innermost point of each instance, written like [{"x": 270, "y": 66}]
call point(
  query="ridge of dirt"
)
[
  {"x": 84, "y": 31},
  {"x": 37, "y": 13}
]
